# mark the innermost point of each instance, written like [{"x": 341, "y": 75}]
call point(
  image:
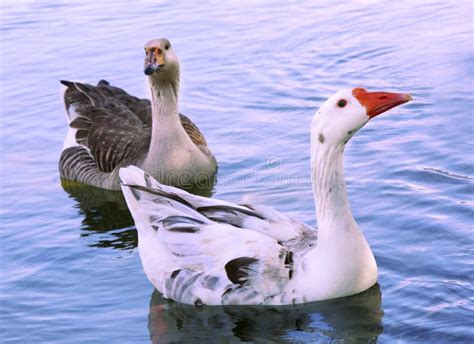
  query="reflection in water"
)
[
  {"x": 106, "y": 213},
  {"x": 103, "y": 212},
  {"x": 355, "y": 318}
]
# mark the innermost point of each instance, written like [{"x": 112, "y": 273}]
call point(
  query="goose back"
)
[{"x": 110, "y": 129}]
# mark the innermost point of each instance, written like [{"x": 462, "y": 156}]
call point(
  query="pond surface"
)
[{"x": 253, "y": 75}]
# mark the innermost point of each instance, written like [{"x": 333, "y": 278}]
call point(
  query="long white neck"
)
[
  {"x": 334, "y": 214},
  {"x": 342, "y": 258}
]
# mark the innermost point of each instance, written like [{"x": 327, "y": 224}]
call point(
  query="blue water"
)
[{"x": 253, "y": 75}]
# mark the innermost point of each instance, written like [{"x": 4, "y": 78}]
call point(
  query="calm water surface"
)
[{"x": 253, "y": 74}]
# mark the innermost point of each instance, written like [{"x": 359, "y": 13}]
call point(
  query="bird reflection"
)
[
  {"x": 105, "y": 214},
  {"x": 355, "y": 318}
]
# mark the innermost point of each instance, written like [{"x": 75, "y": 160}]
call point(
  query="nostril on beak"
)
[{"x": 149, "y": 70}]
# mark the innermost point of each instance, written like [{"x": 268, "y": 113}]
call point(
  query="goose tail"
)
[
  {"x": 132, "y": 175},
  {"x": 151, "y": 202}
]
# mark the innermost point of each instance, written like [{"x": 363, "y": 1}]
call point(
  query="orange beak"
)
[
  {"x": 153, "y": 60},
  {"x": 379, "y": 102}
]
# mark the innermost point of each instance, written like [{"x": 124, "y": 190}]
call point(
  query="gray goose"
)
[{"x": 110, "y": 129}]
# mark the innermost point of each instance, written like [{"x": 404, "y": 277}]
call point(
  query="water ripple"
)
[{"x": 253, "y": 75}]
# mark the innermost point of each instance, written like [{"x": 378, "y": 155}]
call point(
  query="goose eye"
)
[
  {"x": 167, "y": 46},
  {"x": 341, "y": 103}
]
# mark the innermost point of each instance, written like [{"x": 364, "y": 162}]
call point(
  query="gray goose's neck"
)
[
  {"x": 164, "y": 100},
  {"x": 166, "y": 124},
  {"x": 333, "y": 211}
]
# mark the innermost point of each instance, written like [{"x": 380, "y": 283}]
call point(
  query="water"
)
[{"x": 253, "y": 74}]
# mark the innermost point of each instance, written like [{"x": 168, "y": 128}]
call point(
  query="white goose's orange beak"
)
[{"x": 379, "y": 102}]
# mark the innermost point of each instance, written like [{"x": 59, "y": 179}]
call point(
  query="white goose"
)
[
  {"x": 197, "y": 250},
  {"x": 110, "y": 129}
]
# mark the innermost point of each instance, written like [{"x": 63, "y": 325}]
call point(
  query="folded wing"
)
[{"x": 216, "y": 252}]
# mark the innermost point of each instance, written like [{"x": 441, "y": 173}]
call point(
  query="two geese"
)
[{"x": 203, "y": 251}]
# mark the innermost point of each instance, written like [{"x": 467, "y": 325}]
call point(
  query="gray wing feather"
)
[
  {"x": 115, "y": 135},
  {"x": 290, "y": 233},
  {"x": 113, "y": 124}
]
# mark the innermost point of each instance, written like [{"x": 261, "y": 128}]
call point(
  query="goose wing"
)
[
  {"x": 266, "y": 220},
  {"x": 113, "y": 124},
  {"x": 202, "y": 257}
]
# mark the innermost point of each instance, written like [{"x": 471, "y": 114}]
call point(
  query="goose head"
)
[
  {"x": 343, "y": 114},
  {"x": 160, "y": 60}
]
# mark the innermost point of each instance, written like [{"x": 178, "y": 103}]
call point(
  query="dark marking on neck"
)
[
  {"x": 350, "y": 133},
  {"x": 321, "y": 138}
]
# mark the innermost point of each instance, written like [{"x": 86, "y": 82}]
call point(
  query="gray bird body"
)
[{"x": 109, "y": 129}]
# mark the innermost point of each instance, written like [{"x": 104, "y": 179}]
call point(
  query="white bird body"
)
[{"x": 197, "y": 250}]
